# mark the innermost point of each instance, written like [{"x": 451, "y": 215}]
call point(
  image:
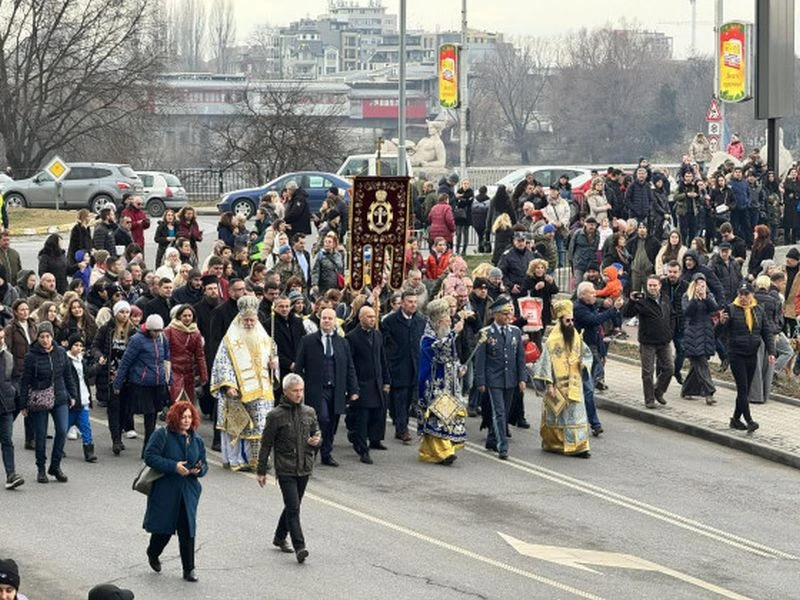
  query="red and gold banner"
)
[
  {"x": 734, "y": 56},
  {"x": 379, "y": 217},
  {"x": 448, "y": 76}
]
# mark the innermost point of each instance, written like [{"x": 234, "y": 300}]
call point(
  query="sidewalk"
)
[{"x": 777, "y": 439}]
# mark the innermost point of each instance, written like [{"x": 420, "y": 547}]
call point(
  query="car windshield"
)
[
  {"x": 171, "y": 180},
  {"x": 513, "y": 178}
]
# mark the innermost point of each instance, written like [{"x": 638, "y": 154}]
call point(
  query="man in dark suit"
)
[
  {"x": 162, "y": 303},
  {"x": 302, "y": 257},
  {"x": 221, "y": 318},
  {"x": 203, "y": 311},
  {"x": 500, "y": 369},
  {"x": 326, "y": 365},
  {"x": 402, "y": 332},
  {"x": 366, "y": 418},
  {"x": 287, "y": 333}
]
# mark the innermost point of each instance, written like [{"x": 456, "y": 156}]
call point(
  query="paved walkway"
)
[{"x": 777, "y": 439}]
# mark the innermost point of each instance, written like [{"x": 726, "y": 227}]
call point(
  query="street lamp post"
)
[
  {"x": 401, "y": 113},
  {"x": 463, "y": 81}
]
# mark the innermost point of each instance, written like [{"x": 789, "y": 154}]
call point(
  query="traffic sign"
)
[
  {"x": 713, "y": 142},
  {"x": 714, "y": 113},
  {"x": 57, "y": 168},
  {"x": 714, "y": 127}
]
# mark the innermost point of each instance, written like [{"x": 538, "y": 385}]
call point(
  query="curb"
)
[
  {"x": 783, "y": 399},
  {"x": 652, "y": 417},
  {"x": 45, "y": 230}
]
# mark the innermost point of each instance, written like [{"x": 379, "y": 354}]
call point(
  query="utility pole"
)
[
  {"x": 717, "y": 25},
  {"x": 401, "y": 113},
  {"x": 464, "y": 83}
]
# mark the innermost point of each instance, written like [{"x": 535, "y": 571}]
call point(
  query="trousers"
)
[
  {"x": 400, "y": 399},
  {"x": 159, "y": 541},
  {"x": 743, "y": 367},
  {"x": 292, "y": 490},
  {"x": 656, "y": 359},
  {"x": 501, "y": 399},
  {"x": 60, "y": 414},
  {"x": 7, "y": 442},
  {"x": 328, "y": 422}
]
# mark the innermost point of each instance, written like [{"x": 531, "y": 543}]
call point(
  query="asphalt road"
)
[{"x": 695, "y": 519}]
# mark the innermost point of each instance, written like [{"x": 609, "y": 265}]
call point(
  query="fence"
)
[{"x": 210, "y": 184}]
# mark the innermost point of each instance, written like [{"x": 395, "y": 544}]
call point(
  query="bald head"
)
[{"x": 366, "y": 316}]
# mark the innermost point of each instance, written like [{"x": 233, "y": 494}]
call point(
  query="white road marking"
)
[{"x": 577, "y": 557}]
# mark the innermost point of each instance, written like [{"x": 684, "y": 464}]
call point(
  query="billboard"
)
[
  {"x": 734, "y": 53},
  {"x": 448, "y": 76}
]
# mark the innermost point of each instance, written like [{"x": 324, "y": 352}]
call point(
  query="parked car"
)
[
  {"x": 357, "y": 165},
  {"x": 546, "y": 175},
  {"x": 162, "y": 191},
  {"x": 315, "y": 183},
  {"x": 87, "y": 185}
]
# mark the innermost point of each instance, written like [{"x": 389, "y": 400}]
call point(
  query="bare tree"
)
[
  {"x": 280, "y": 128},
  {"x": 192, "y": 32},
  {"x": 516, "y": 78},
  {"x": 222, "y": 31},
  {"x": 70, "y": 69},
  {"x": 264, "y": 52}
]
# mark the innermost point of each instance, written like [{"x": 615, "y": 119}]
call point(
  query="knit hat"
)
[
  {"x": 74, "y": 339},
  {"x": 295, "y": 296},
  {"x": 154, "y": 323},
  {"x": 549, "y": 228},
  {"x": 793, "y": 253},
  {"x": 79, "y": 255},
  {"x": 495, "y": 272},
  {"x": 9, "y": 572},
  {"x": 285, "y": 248},
  {"x": 44, "y": 327},
  {"x": 108, "y": 591},
  {"x": 121, "y": 305}
]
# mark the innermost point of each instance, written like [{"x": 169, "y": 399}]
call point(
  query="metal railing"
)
[{"x": 210, "y": 184}]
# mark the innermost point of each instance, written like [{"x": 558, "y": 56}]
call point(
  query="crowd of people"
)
[{"x": 263, "y": 325}]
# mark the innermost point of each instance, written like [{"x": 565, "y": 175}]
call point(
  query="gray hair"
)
[
  {"x": 291, "y": 184},
  {"x": 583, "y": 286},
  {"x": 292, "y": 379}
]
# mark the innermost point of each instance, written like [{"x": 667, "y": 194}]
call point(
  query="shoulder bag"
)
[
  {"x": 147, "y": 476},
  {"x": 44, "y": 399}
]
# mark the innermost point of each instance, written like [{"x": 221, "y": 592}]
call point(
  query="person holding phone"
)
[{"x": 179, "y": 454}]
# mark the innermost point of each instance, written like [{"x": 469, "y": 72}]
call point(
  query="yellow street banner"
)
[
  {"x": 735, "y": 59},
  {"x": 448, "y": 76}
]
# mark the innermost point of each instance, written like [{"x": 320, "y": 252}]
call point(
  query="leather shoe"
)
[
  {"x": 190, "y": 576},
  {"x": 301, "y": 555},
  {"x": 41, "y": 477},
  {"x": 752, "y": 426},
  {"x": 600, "y": 385},
  {"x": 283, "y": 545},
  {"x": 154, "y": 563},
  {"x": 29, "y": 445},
  {"x": 407, "y": 439},
  {"x": 523, "y": 424},
  {"x": 660, "y": 399},
  {"x": 492, "y": 447},
  {"x": 377, "y": 446},
  {"x": 57, "y": 473},
  {"x": 596, "y": 431},
  {"x": 737, "y": 424},
  {"x": 329, "y": 461},
  {"x": 366, "y": 459},
  {"x": 503, "y": 456}
]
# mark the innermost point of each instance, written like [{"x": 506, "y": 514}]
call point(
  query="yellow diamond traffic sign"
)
[{"x": 57, "y": 168}]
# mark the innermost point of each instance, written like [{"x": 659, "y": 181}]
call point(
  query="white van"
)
[{"x": 358, "y": 165}]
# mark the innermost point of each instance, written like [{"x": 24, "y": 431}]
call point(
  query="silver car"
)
[
  {"x": 87, "y": 185},
  {"x": 162, "y": 191}
]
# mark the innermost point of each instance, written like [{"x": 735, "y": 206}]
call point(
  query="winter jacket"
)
[
  {"x": 17, "y": 343},
  {"x": 613, "y": 286},
  {"x": 503, "y": 240},
  {"x": 11, "y": 261},
  {"x": 164, "y": 451},
  {"x": 186, "y": 294},
  {"x": 770, "y": 303},
  {"x": 286, "y": 432},
  {"x": 191, "y": 231},
  {"x": 583, "y": 249},
  {"x": 42, "y": 369},
  {"x": 80, "y": 238},
  {"x": 730, "y": 275},
  {"x": 40, "y": 295},
  {"x": 143, "y": 362},
  {"x": 225, "y": 234},
  {"x": 7, "y": 299},
  {"x": 698, "y": 335},
  {"x": 766, "y": 252},
  {"x": 714, "y": 285},
  {"x": 186, "y": 350},
  {"x": 598, "y": 205},
  {"x": 103, "y": 238},
  {"x": 558, "y": 212},
  {"x": 638, "y": 198},
  {"x": 655, "y": 319},
  {"x": 480, "y": 208},
  {"x": 298, "y": 214},
  {"x": 163, "y": 233},
  {"x": 442, "y": 223},
  {"x": 741, "y": 193},
  {"x": 674, "y": 295},
  {"x": 139, "y": 222},
  {"x": 9, "y": 383},
  {"x": 89, "y": 371},
  {"x": 435, "y": 266},
  {"x": 743, "y": 341},
  {"x": 514, "y": 265},
  {"x": 57, "y": 266},
  {"x": 327, "y": 266},
  {"x": 546, "y": 293},
  {"x": 589, "y": 319},
  {"x": 464, "y": 202}
]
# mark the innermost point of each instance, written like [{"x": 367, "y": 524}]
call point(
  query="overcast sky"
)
[{"x": 537, "y": 18}]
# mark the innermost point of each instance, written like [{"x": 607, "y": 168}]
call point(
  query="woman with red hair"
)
[
  {"x": 763, "y": 249},
  {"x": 179, "y": 454}
]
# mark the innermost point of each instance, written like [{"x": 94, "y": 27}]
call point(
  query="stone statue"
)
[
  {"x": 784, "y": 156},
  {"x": 430, "y": 151}
]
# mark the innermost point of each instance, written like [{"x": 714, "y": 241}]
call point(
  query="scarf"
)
[
  {"x": 178, "y": 324},
  {"x": 748, "y": 311},
  {"x": 566, "y": 369}
]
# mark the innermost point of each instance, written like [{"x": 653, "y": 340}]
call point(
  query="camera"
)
[{"x": 637, "y": 295}]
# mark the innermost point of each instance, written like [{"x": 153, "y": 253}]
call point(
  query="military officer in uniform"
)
[{"x": 500, "y": 369}]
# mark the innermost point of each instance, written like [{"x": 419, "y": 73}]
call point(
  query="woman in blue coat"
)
[
  {"x": 178, "y": 452},
  {"x": 698, "y": 340}
]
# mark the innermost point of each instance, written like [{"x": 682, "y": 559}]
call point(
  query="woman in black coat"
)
[
  {"x": 178, "y": 453},
  {"x": 698, "y": 339},
  {"x": 46, "y": 365},
  {"x": 80, "y": 238},
  {"x": 763, "y": 249},
  {"x": 53, "y": 260},
  {"x": 166, "y": 234}
]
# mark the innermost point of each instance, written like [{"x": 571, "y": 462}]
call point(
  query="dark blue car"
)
[{"x": 315, "y": 183}]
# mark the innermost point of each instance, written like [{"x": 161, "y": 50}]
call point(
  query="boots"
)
[{"x": 88, "y": 453}]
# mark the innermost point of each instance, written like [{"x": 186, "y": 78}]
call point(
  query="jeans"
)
[
  {"x": 7, "y": 441},
  {"x": 462, "y": 235},
  {"x": 292, "y": 489},
  {"x": 588, "y": 400},
  {"x": 81, "y": 419},
  {"x": 501, "y": 399},
  {"x": 784, "y": 352},
  {"x": 562, "y": 252},
  {"x": 400, "y": 399},
  {"x": 650, "y": 356},
  {"x": 598, "y": 373},
  {"x": 743, "y": 367},
  {"x": 741, "y": 225},
  {"x": 159, "y": 541},
  {"x": 60, "y": 414}
]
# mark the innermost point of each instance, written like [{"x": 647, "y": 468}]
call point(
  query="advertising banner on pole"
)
[
  {"x": 448, "y": 76},
  {"x": 734, "y": 53}
]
